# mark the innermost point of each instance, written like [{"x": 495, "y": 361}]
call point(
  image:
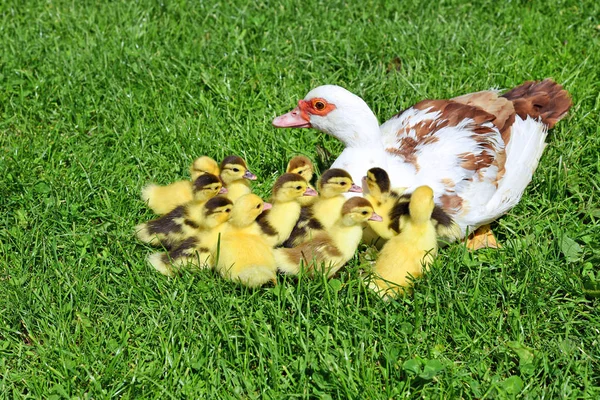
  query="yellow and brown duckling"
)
[
  {"x": 163, "y": 199},
  {"x": 184, "y": 221},
  {"x": 278, "y": 222},
  {"x": 323, "y": 213},
  {"x": 410, "y": 252},
  {"x": 393, "y": 206},
  {"x": 332, "y": 249},
  {"x": 195, "y": 245},
  {"x": 236, "y": 176},
  {"x": 243, "y": 254}
]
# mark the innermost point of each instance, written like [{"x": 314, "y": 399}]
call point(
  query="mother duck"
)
[{"x": 477, "y": 152}]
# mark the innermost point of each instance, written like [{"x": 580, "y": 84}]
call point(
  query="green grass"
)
[{"x": 98, "y": 98}]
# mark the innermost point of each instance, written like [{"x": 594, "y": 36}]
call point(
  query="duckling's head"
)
[
  {"x": 421, "y": 204},
  {"x": 289, "y": 187},
  {"x": 357, "y": 210},
  {"x": 207, "y": 186},
  {"x": 336, "y": 181},
  {"x": 217, "y": 211},
  {"x": 378, "y": 182},
  {"x": 302, "y": 166},
  {"x": 233, "y": 168},
  {"x": 203, "y": 165},
  {"x": 246, "y": 209}
]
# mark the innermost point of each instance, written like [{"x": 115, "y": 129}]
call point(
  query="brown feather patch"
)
[{"x": 546, "y": 100}]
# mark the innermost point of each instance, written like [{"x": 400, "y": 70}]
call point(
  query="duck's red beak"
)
[{"x": 294, "y": 119}]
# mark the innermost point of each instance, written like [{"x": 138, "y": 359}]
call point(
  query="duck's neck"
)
[{"x": 355, "y": 127}]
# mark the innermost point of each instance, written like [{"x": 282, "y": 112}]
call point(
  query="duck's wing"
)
[{"x": 447, "y": 145}]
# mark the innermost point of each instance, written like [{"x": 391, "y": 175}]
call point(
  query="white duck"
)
[{"x": 477, "y": 152}]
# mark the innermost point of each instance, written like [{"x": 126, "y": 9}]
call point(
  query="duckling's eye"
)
[
  {"x": 319, "y": 105},
  {"x": 343, "y": 183},
  {"x": 228, "y": 210},
  {"x": 298, "y": 187},
  {"x": 258, "y": 206},
  {"x": 236, "y": 170},
  {"x": 364, "y": 213}
]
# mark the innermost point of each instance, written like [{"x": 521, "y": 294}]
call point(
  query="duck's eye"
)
[
  {"x": 236, "y": 170},
  {"x": 298, "y": 187},
  {"x": 228, "y": 210},
  {"x": 319, "y": 105},
  {"x": 343, "y": 183},
  {"x": 364, "y": 213},
  {"x": 258, "y": 206}
]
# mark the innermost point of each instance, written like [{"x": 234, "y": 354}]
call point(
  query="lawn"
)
[{"x": 99, "y": 98}]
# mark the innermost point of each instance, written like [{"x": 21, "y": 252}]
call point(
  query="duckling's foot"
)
[{"x": 482, "y": 238}]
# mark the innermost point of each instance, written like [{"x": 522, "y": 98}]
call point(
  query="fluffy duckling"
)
[
  {"x": 204, "y": 165},
  {"x": 163, "y": 199},
  {"x": 302, "y": 166},
  {"x": 393, "y": 206},
  {"x": 235, "y": 175},
  {"x": 333, "y": 248},
  {"x": 411, "y": 251},
  {"x": 195, "y": 249},
  {"x": 278, "y": 222},
  {"x": 184, "y": 222},
  {"x": 243, "y": 254},
  {"x": 326, "y": 209}
]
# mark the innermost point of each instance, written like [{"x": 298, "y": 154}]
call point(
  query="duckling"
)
[
  {"x": 411, "y": 251},
  {"x": 333, "y": 248},
  {"x": 302, "y": 166},
  {"x": 393, "y": 206},
  {"x": 184, "y": 221},
  {"x": 323, "y": 213},
  {"x": 243, "y": 254},
  {"x": 235, "y": 175},
  {"x": 195, "y": 249},
  {"x": 278, "y": 222},
  {"x": 204, "y": 165}
]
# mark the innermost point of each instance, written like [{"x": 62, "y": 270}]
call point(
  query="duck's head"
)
[
  {"x": 217, "y": 211},
  {"x": 207, "y": 186},
  {"x": 421, "y": 204},
  {"x": 203, "y": 165},
  {"x": 336, "y": 181},
  {"x": 302, "y": 166},
  {"x": 246, "y": 209},
  {"x": 378, "y": 182},
  {"x": 289, "y": 187},
  {"x": 358, "y": 210},
  {"x": 233, "y": 168},
  {"x": 335, "y": 111}
]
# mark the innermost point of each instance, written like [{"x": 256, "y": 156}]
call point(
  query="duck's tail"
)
[{"x": 545, "y": 99}]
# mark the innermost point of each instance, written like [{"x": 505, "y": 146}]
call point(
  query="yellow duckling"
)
[
  {"x": 278, "y": 222},
  {"x": 196, "y": 248},
  {"x": 183, "y": 222},
  {"x": 163, "y": 199},
  {"x": 411, "y": 251},
  {"x": 302, "y": 166},
  {"x": 204, "y": 165},
  {"x": 243, "y": 254},
  {"x": 393, "y": 207},
  {"x": 326, "y": 209},
  {"x": 333, "y": 248},
  {"x": 235, "y": 175}
]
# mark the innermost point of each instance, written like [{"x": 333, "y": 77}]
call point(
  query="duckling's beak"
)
[
  {"x": 223, "y": 190},
  {"x": 376, "y": 217},
  {"x": 249, "y": 175},
  {"x": 293, "y": 119},
  {"x": 364, "y": 184},
  {"x": 267, "y": 206},
  {"x": 355, "y": 188},
  {"x": 310, "y": 192}
]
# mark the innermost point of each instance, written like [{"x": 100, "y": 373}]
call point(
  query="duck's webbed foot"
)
[{"x": 482, "y": 238}]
